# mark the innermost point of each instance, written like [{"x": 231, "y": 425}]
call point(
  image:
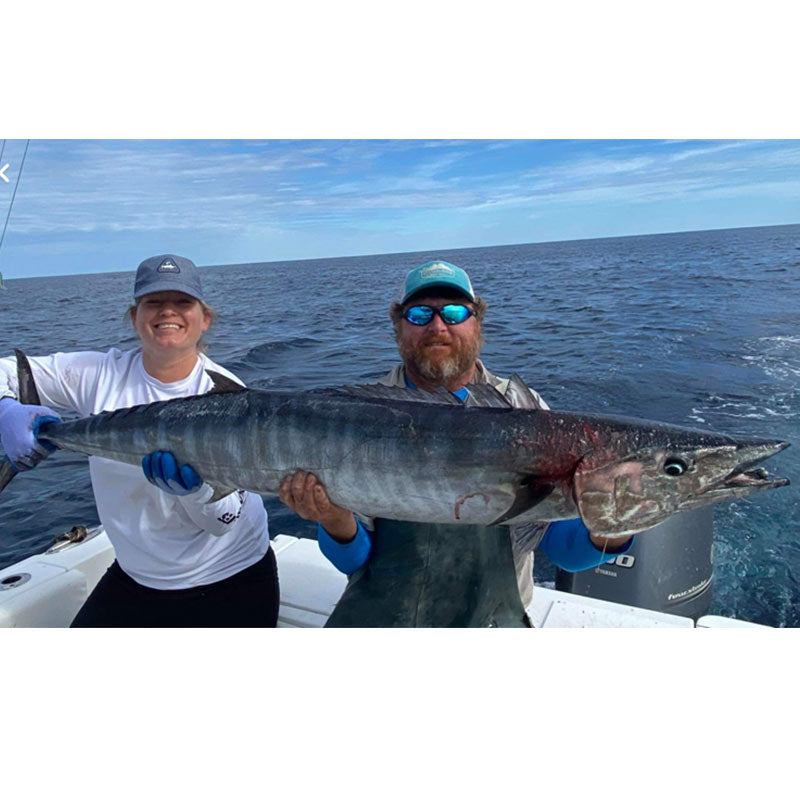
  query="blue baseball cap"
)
[
  {"x": 437, "y": 274},
  {"x": 168, "y": 273}
]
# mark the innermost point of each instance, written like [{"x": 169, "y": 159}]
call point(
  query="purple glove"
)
[{"x": 19, "y": 427}]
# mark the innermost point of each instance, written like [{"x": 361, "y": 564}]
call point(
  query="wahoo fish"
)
[{"x": 404, "y": 454}]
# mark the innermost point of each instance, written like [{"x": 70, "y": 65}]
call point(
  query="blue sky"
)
[{"x": 104, "y": 205}]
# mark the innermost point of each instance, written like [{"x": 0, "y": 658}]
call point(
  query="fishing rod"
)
[{"x": 13, "y": 196}]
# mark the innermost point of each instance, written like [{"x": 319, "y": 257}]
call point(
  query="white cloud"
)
[
  {"x": 710, "y": 150},
  {"x": 90, "y": 187}
]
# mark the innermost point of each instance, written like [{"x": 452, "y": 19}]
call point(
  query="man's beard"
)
[{"x": 437, "y": 370}]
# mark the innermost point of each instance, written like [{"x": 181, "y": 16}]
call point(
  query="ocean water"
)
[{"x": 699, "y": 329}]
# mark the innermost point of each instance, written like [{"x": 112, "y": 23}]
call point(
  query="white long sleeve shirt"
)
[{"x": 161, "y": 540}]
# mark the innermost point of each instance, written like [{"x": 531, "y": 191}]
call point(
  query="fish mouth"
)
[
  {"x": 746, "y": 478},
  {"x": 753, "y": 479}
]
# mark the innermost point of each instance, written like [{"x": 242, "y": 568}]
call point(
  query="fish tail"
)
[
  {"x": 29, "y": 395},
  {"x": 7, "y": 472}
]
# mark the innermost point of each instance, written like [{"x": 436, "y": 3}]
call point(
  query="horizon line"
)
[{"x": 413, "y": 252}]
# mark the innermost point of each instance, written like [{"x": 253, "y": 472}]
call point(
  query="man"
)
[{"x": 437, "y": 325}]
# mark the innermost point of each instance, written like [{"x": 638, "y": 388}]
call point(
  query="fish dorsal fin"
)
[
  {"x": 222, "y": 383},
  {"x": 378, "y": 391},
  {"x": 27, "y": 393},
  {"x": 486, "y": 396},
  {"x": 518, "y": 389},
  {"x": 481, "y": 395}
]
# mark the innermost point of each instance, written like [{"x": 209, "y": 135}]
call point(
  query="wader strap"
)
[{"x": 433, "y": 576}]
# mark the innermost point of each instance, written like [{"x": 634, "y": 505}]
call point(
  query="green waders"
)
[{"x": 433, "y": 576}]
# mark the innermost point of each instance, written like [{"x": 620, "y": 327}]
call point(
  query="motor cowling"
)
[{"x": 668, "y": 568}]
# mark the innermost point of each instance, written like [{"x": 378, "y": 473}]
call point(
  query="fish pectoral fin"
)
[
  {"x": 529, "y": 494},
  {"x": 219, "y": 492},
  {"x": 222, "y": 383}
]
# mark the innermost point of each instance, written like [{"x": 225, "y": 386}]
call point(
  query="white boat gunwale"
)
[{"x": 46, "y": 590}]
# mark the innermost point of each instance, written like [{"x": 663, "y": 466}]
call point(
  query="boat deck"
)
[{"x": 46, "y": 591}]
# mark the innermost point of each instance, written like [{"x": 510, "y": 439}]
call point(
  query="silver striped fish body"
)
[{"x": 422, "y": 460}]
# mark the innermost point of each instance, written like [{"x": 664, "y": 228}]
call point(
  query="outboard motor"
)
[{"x": 668, "y": 568}]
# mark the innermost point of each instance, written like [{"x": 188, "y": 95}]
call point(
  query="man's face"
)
[{"x": 438, "y": 351}]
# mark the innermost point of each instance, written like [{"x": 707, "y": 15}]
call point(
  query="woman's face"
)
[{"x": 169, "y": 322}]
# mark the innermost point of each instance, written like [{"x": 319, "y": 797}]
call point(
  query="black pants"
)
[{"x": 248, "y": 599}]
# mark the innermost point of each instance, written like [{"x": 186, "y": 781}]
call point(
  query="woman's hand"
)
[
  {"x": 161, "y": 469},
  {"x": 19, "y": 427}
]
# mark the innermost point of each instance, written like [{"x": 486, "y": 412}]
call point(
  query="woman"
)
[{"x": 181, "y": 561}]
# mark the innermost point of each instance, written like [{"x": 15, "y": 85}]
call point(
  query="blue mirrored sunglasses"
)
[{"x": 452, "y": 314}]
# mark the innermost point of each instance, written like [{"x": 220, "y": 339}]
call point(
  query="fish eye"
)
[{"x": 675, "y": 466}]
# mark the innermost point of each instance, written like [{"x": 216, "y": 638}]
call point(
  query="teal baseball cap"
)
[{"x": 437, "y": 273}]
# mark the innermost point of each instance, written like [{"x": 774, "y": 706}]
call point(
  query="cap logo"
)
[
  {"x": 168, "y": 265},
  {"x": 436, "y": 270}
]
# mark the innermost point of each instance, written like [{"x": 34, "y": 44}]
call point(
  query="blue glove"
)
[
  {"x": 161, "y": 469},
  {"x": 19, "y": 427}
]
